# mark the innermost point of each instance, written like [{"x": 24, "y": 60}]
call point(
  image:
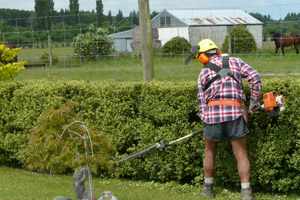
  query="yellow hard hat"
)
[{"x": 206, "y": 45}]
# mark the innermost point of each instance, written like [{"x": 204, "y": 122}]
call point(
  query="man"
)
[{"x": 222, "y": 110}]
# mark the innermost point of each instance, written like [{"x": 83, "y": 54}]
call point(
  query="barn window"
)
[
  {"x": 168, "y": 20},
  {"x": 165, "y": 21}
]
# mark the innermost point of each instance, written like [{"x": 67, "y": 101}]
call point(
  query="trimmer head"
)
[{"x": 192, "y": 55}]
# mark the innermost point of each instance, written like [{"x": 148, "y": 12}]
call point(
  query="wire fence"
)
[{"x": 38, "y": 43}]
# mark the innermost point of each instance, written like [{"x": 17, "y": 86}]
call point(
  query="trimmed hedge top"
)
[{"x": 135, "y": 115}]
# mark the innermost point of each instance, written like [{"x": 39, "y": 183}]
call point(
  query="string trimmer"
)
[{"x": 162, "y": 145}]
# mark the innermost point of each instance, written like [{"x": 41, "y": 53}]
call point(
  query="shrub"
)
[
  {"x": 241, "y": 40},
  {"x": 45, "y": 58},
  {"x": 95, "y": 42},
  {"x": 176, "y": 46},
  {"x": 137, "y": 115},
  {"x": 55, "y": 149},
  {"x": 9, "y": 65}
]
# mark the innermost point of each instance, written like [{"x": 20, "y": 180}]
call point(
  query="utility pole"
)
[{"x": 146, "y": 39}]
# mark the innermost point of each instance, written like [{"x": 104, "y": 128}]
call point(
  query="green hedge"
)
[{"x": 136, "y": 115}]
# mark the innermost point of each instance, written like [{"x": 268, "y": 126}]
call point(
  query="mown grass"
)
[
  {"x": 128, "y": 68},
  {"x": 23, "y": 185}
]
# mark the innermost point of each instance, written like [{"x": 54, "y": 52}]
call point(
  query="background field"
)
[{"x": 129, "y": 67}]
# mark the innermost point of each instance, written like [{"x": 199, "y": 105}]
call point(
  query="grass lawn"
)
[
  {"x": 130, "y": 69},
  {"x": 23, "y": 185}
]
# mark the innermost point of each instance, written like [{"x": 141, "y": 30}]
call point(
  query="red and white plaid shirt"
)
[{"x": 226, "y": 88}]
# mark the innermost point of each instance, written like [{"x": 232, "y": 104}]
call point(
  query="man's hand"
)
[{"x": 254, "y": 106}]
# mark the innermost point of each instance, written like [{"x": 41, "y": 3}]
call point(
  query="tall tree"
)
[
  {"x": 44, "y": 9},
  {"x": 133, "y": 18},
  {"x": 99, "y": 12},
  {"x": 74, "y": 11},
  {"x": 110, "y": 18},
  {"x": 261, "y": 17},
  {"x": 119, "y": 17}
]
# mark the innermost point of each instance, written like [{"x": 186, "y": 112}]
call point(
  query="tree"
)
[
  {"x": 74, "y": 11},
  {"x": 292, "y": 17},
  {"x": 110, "y": 18},
  {"x": 93, "y": 43},
  {"x": 119, "y": 17},
  {"x": 176, "y": 46},
  {"x": 239, "y": 40},
  {"x": 261, "y": 17},
  {"x": 99, "y": 12},
  {"x": 133, "y": 18},
  {"x": 44, "y": 9},
  {"x": 153, "y": 14}
]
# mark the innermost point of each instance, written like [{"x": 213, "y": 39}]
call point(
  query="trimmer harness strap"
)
[{"x": 220, "y": 71}]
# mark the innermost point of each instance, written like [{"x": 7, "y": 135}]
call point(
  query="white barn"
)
[
  {"x": 197, "y": 24},
  {"x": 122, "y": 40}
]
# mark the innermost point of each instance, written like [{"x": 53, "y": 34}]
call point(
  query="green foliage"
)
[
  {"x": 45, "y": 58},
  {"x": 44, "y": 9},
  {"x": 119, "y": 16},
  {"x": 292, "y": 17},
  {"x": 93, "y": 43},
  {"x": 55, "y": 149},
  {"x": 176, "y": 46},
  {"x": 74, "y": 10},
  {"x": 261, "y": 17},
  {"x": 241, "y": 41},
  {"x": 99, "y": 12},
  {"x": 136, "y": 115},
  {"x": 110, "y": 18},
  {"x": 133, "y": 18},
  {"x": 9, "y": 66}
]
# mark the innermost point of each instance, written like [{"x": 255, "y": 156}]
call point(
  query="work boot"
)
[
  {"x": 246, "y": 194},
  {"x": 207, "y": 191}
]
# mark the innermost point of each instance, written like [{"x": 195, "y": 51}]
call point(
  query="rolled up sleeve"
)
[{"x": 254, "y": 80}]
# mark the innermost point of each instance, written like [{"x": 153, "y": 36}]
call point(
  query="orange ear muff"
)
[{"x": 203, "y": 58}]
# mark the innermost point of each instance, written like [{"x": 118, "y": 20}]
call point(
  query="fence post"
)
[{"x": 50, "y": 50}]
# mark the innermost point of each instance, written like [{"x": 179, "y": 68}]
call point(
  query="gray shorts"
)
[{"x": 226, "y": 131}]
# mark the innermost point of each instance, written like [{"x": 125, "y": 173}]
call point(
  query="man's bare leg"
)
[
  {"x": 239, "y": 148},
  {"x": 209, "y": 158},
  {"x": 209, "y": 168}
]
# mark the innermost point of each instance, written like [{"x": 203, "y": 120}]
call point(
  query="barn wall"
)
[
  {"x": 257, "y": 32},
  {"x": 122, "y": 45},
  {"x": 175, "y": 22},
  {"x": 166, "y": 34},
  {"x": 215, "y": 33}
]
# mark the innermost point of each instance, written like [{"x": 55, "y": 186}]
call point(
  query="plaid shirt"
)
[{"x": 226, "y": 88}]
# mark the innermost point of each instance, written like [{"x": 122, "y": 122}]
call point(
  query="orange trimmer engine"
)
[
  {"x": 269, "y": 101},
  {"x": 273, "y": 104}
]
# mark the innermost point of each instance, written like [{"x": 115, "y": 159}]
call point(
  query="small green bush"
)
[
  {"x": 176, "y": 46},
  {"x": 92, "y": 44},
  {"x": 45, "y": 58},
  {"x": 241, "y": 41},
  {"x": 10, "y": 67},
  {"x": 136, "y": 115}
]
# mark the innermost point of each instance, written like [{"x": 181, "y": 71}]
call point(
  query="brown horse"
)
[{"x": 285, "y": 41}]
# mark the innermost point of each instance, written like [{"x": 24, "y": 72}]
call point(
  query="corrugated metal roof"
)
[
  {"x": 123, "y": 35},
  {"x": 204, "y": 17}
]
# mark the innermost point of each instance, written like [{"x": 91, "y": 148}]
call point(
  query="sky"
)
[{"x": 276, "y": 8}]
